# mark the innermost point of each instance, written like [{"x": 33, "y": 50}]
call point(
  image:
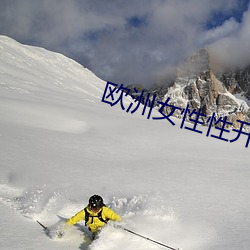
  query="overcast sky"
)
[{"x": 131, "y": 41}]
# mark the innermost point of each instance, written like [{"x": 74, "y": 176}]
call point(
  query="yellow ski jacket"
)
[{"x": 94, "y": 223}]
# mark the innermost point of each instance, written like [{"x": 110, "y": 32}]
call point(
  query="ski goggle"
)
[{"x": 94, "y": 208}]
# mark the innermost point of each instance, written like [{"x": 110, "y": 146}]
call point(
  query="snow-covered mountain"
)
[
  {"x": 197, "y": 85},
  {"x": 60, "y": 144},
  {"x": 237, "y": 81},
  {"x": 201, "y": 85}
]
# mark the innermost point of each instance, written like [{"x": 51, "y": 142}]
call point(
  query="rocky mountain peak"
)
[
  {"x": 237, "y": 81},
  {"x": 198, "y": 85},
  {"x": 197, "y": 64}
]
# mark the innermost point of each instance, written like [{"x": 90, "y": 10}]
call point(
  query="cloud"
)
[
  {"x": 124, "y": 41},
  {"x": 232, "y": 50},
  {"x": 228, "y": 28}
]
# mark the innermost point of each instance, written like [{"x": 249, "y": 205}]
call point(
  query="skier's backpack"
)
[{"x": 88, "y": 216}]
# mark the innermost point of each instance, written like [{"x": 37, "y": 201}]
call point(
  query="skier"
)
[{"x": 95, "y": 214}]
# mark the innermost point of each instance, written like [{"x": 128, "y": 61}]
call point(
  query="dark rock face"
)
[{"x": 237, "y": 81}]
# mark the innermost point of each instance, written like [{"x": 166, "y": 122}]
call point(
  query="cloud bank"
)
[{"x": 133, "y": 41}]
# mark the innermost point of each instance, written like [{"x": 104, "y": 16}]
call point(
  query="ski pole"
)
[
  {"x": 146, "y": 238},
  {"x": 45, "y": 228}
]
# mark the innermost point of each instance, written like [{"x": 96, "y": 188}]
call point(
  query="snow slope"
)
[{"x": 60, "y": 144}]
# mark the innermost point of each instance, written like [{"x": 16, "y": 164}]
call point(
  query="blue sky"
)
[
  {"x": 131, "y": 41},
  {"x": 218, "y": 17}
]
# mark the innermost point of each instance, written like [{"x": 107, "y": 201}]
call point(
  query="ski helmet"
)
[{"x": 95, "y": 202}]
